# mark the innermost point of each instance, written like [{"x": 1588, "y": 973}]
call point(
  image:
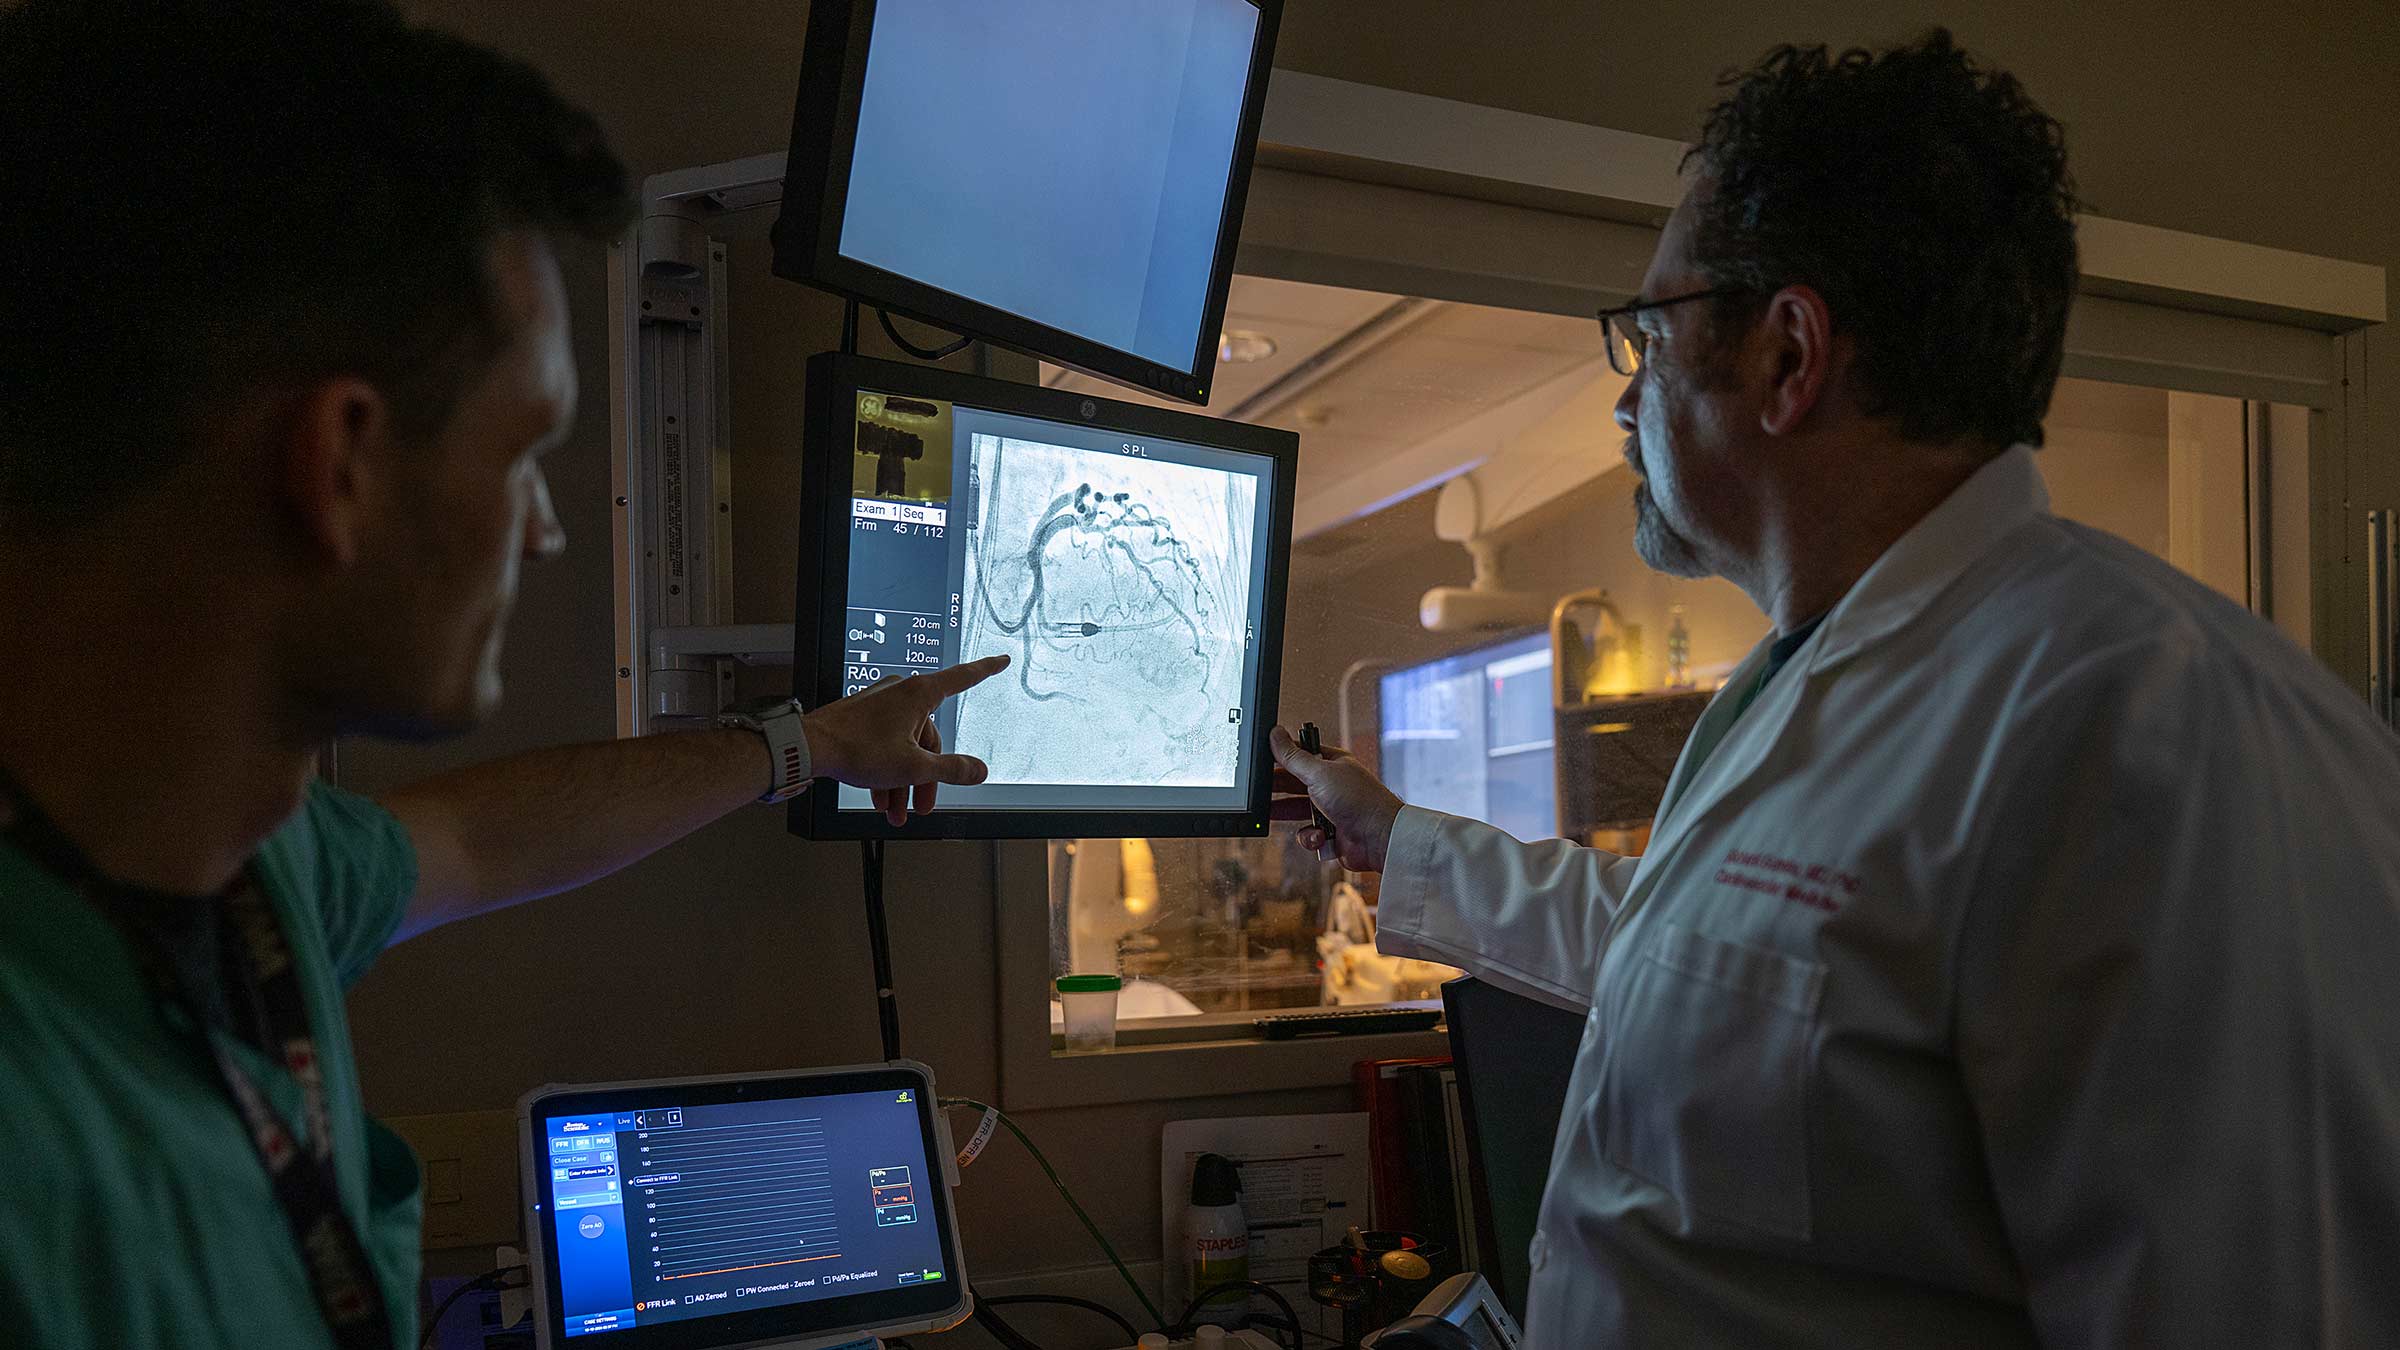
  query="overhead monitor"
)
[
  {"x": 1130, "y": 560},
  {"x": 1064, "y": 177},
  {"x": 698, "y": 1213}
]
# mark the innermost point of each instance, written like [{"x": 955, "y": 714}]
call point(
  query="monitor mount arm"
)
[
  {"x": 672, "y": 473},
  {"x": 670, "y": 433}
]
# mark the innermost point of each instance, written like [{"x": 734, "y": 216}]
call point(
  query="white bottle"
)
[{"x": 1217, "y": 1238}]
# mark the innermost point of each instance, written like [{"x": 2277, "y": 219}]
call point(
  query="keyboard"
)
[{"x": 1345, "y": 1022}]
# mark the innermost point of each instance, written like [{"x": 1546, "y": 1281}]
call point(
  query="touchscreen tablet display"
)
[{"x": 759, "y": 1205}]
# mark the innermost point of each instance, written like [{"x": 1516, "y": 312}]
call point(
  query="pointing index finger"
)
[{"x": 958, "y": 679}]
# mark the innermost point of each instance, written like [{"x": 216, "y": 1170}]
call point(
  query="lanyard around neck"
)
[{"x": 257, "y": 949}]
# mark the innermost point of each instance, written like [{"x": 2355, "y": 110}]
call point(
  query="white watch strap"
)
[
  {"x": 787, "y": 747},
  {"x": 789, "y": 765}
]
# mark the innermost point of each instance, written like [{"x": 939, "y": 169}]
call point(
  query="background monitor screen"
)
[
  {"x": 1472, "y": 734},
  {"x": 1130, "y": 561},
  {"x": 761, "y": 1212},
  {"x": 1061, "y": 176}
]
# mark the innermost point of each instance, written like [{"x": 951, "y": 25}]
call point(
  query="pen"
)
[{"x": 1312, "y": 743}]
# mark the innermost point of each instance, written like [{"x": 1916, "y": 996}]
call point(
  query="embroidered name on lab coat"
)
[{"x": 1816, "y": 885}]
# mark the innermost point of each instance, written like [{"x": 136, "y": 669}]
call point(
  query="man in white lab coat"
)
[{"x": 2013, "y": 960}]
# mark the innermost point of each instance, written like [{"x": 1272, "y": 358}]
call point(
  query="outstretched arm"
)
[
  {"x": 531, "y": 825},
  {"x": 1530, "y": 917}
]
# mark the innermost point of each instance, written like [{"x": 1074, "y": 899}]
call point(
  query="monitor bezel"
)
[
  {"x": 816, "y": 188},
  {"x": 888, "y": 1311},
  {"x": 834, "y": 380}
]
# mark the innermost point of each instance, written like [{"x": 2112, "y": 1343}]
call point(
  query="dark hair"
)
[
  {"x": 1927, "y": 199},
  {"x": 206, "y": 199}
]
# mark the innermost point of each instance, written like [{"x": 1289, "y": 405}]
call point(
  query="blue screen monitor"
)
[
  {"x": 1064, "y": 177},
  {"x": 1130, "y": 561},
  {"x": 742, "y": 1210},
  {"x": 1472, "y": 734}
]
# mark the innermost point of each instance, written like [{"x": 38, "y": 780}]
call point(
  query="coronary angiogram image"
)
[{"x": 1121, "y": 586}]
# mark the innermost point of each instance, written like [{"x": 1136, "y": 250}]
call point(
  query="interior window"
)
[{"x": 1467, "y": 614}]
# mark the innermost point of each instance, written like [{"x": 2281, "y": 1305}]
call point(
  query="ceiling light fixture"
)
[{"x": 1240, "y": 347}]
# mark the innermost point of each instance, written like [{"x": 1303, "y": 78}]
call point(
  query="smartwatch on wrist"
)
[{"x": 777, "y": 720}]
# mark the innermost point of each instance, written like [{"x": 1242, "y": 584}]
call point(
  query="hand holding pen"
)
[{"x": 1349, "y": 811}]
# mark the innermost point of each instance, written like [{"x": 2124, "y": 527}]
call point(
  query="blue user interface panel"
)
[
  {"x": 1057, "y": 159},
  {"x": 1471, "y": 734},
  {"x": 1125, "y": 577},
  {"x": 679, "y": 1211}
]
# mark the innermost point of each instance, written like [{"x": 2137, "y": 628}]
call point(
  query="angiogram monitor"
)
[{"x": 1130, "y": 560}]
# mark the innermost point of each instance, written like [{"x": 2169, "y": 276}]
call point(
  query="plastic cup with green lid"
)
[{"x": 1088, "y": 1006}]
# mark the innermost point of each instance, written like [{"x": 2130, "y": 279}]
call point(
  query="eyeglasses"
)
[{"x": 1626, "y": 341}]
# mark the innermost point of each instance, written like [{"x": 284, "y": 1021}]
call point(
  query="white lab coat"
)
[{"x": 2023, "y": 967}]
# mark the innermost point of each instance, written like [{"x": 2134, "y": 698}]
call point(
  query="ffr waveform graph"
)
[{"x": 723, "y": 1198}]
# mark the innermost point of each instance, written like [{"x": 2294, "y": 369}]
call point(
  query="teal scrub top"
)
[{"x": 135, "y": 1210}]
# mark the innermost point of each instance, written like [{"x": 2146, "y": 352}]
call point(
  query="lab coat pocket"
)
[{"x": 1706, "y": 1089}]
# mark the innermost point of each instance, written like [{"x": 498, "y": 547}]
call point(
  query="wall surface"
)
[
  {"x": 2104, "y": 459},
  {"x": 741, "y": 948}
]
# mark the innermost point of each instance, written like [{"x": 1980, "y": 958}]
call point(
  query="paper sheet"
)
[{"x": 1305, "y": 1181}]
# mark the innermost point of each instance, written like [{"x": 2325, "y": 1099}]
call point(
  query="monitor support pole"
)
[
  {"x": 879, "y": 941},
  {"x": 870, "y": 851}
]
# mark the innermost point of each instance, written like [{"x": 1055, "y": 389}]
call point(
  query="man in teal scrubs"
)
[{"x": 282, "y": 341}]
